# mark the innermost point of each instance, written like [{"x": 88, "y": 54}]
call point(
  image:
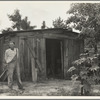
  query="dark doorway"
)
[{"x": 54, "y": 58}]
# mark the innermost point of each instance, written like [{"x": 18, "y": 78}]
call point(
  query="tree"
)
[
  {"x": 86, "y": 70},
  {"x": 18, "y": 22},
  {"x": 43, "y": 25},
  {"x": 7, "y": 30},
  {"x": 59, "y": 23},
  {"x": 86, "y": 18},
  {"x": 25, "y": 24}
]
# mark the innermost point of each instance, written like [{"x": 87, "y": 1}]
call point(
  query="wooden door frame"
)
[
  {"x": 62, "y": 57},
  {"x": 62, "y": 54}
]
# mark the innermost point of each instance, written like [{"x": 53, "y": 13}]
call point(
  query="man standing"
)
[{"x": 11, "y": 58}]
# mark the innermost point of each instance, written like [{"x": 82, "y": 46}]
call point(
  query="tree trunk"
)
[
  {"x": 95, "y": 49},
  {"x": 82, "y": 88}
]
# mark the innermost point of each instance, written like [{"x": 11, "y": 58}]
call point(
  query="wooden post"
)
[
  {"x": 62, "y": 59},
  {"x": 34, "y": 70},
  {"x": 43, "y": 57},
  {"x": 66, "y": 57}
]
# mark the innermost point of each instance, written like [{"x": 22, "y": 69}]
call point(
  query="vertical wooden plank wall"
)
[
  {"x": 1, "y": 53},
  {"x": 37, "y": 42},
  {"x": 41, "y": 56},
  {"x": 33, "y": 63},
  {"x": 21, "y": 57},
  {"x": 38, "y": 45},
  {"x": 66, "y": 49},
  {"x": 68, "y": 55},
  {"x": 27, "y": 58},
  {"x": 72, "y": 50}
]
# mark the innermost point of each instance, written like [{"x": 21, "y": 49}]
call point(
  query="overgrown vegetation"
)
[
  {"x": 60, "y": 23},
  {"x": 86, "y": 70},
  {"x": 86, "y": 18}
]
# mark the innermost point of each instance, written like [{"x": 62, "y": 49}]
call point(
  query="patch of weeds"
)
[
  {"x": 72, "y": 91},
  {"x": 60, "y": 92},
  {"x": 31, "y": 94},
  {"x": 75, "y": 91}
]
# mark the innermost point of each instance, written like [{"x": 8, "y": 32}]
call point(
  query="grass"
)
[{"x": 48, "y": 88}]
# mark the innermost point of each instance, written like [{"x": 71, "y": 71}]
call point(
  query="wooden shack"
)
[{"x": 43, "y": 53}]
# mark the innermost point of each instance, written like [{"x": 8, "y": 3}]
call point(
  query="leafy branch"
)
[{"x": 87, "y": 71}]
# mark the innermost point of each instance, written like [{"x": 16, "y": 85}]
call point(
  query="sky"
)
[{"x": 36, "y": 11}]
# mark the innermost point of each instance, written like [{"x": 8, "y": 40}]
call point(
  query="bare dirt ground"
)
[{"x": 45, "y": 88}]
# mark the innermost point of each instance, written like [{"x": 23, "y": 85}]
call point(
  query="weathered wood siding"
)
[
  {"x": 72, "y": 50},
  {"x": 1, "y": 54},
  {"x": 41, "y": 56},
  {"x": 38, "y": 47},
  {"x": 25, "y": 58}
]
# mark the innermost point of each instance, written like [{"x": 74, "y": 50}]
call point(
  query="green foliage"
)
[
  {"x": 74, "y": 77},
  {"x": 71, "y": 69},
  {"x": 87, "y": 70},
  {"x": 25, "y": 24},
  {"x": 7, "y": 30},
  {"x": 19, "y": 23},
  {"x": 59, "y": 23},
  {"x": 86, "y": 18},
  {"x": 43, "y": 25}
]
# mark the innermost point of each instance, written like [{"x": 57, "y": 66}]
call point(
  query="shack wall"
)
[
  {"x": 72, "y": 50},
  {"x": 37, "y": 41},
  {"x": 1, "y": 54},
  {"x": 38, "y": 47}
]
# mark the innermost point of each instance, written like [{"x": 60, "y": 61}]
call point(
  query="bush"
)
[{"x": 88, "y": 71}]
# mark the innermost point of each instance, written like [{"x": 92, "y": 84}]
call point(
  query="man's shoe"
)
[
  {"x": 21, "y": 89},
  {"x": 10, "y": 89}
]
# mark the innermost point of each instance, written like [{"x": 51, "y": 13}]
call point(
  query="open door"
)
[{"x": 54, "y": 58}]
